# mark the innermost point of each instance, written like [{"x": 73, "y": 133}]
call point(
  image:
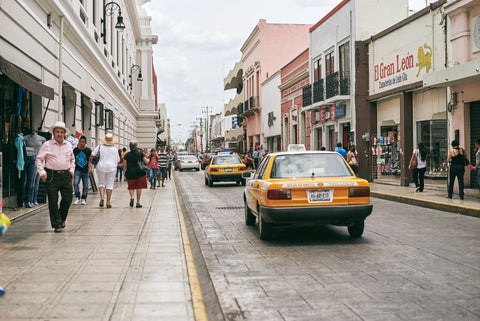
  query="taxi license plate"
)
[
  {"x": 228, "y": 169},
  {"x": 320, "y": 196}
]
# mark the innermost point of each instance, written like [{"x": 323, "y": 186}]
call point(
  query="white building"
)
[{"x": 271, "y": 113}]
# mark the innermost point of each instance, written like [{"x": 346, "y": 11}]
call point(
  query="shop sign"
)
[
  {"x": 317, "y": 116},
  {"x": 402, "y": 68},
  {"x": 340, "y": 111},
  {"x": 234, "y": 122},
  {"x": 332, "y": 112},
  {"x": 323, "y": 115}
]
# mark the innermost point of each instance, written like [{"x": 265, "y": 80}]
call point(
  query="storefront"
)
[
  {"x": 405, "y": 112},
  {"x": 330, "y": 126},
  {"x": 21, "y": 113}
]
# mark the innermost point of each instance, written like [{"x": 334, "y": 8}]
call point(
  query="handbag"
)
[
  {"x": 142, "y": 167},
  {"x": 95, "y": 159},
  {"x": 413, "y": 162},
  {"x": 353, "y": 160}
]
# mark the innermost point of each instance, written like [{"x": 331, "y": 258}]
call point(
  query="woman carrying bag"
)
[
  {"x": 458, "y": 161},
  {"x": 135, "y": 173},
  {"x": 418, "y": 163},
  {"x": 106, "y": 167}
]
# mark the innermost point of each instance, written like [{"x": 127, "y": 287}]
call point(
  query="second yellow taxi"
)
[{"x": 225, "y": 167}]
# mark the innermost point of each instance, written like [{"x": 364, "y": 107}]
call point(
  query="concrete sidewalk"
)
[{"x": 121, "y": 263}]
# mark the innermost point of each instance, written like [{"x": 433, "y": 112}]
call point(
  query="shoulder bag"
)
[
  {"x": 95, "y": 159},
  {"x": 142, "y": 167},
  {"x": 413, "y": 161}
]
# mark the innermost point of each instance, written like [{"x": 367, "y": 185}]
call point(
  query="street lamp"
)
[
  {"x": 109, "y": 9},
  {"x": 139, "y": 77}
]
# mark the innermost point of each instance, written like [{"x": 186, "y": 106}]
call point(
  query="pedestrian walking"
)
[
  {"x": 153, "y": 166},
  {"x": 341, "y": 151},
  {"x": 169, "y": 165},
  {"x": 256, "y": 156},
  {"x": 56, "y": 165},
  {"x": 352, "y": 159},
  {"x": 477, "y": 162},
  {"x": 162, "y": 163},
  {"x": 419, "y": 157},
  {"x": 136, "y": 178},
  {"x": 106, "y": 167},
  {"x": 120, "y": 166},
  {"x": 457, "y": 160},
  {"x": 83, "y": 169}
]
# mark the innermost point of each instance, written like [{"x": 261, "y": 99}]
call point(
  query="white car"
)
[{"x": 188, "y": 162}]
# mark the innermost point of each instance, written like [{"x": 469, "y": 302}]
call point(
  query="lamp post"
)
[
  {"x": 139, "y": 77},
  {"x": 109, "y": 9}
]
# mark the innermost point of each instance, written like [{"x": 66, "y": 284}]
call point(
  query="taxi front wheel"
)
[{"x": 356, "y": 229}]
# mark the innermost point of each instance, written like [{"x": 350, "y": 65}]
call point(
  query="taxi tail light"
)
[
  {"x": 361, "y": 191},
  {"x": 213, "y": 169},
  {"x": 242, "y": 169},
  {"x": 279, "y": 194}
]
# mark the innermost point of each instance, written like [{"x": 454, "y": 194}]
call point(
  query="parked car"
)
[
  {"x": 226, "y": 168},
  {"x": 306, "y": 187},
  {"x": 188, "y": 162},
  {"x": 206, "y": 159}
]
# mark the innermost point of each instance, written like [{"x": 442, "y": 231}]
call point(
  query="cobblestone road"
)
[{"x": 412, "y": 263}]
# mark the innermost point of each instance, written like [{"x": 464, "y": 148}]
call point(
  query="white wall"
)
[{"x": 271, "y": 97}]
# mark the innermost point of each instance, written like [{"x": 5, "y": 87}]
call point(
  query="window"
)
[
  {"x": 99, "y": 114},
  {"x": 344, "y": 56},
  {"x": 329, "y": 63},
  {"x": 432, "y": 133},
  {"x": 108, "y": 119},
  {"x": 94, "y": 12},
  {"x": 317, "y": 70}
]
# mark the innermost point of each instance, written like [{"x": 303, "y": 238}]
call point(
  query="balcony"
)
[
  {"x": 318, "y": 91},
  {"x": 250, "y": 106},
  {"x": 345, "y": 85},
  {"x": 332, "y": 85},
  {"x": 307, "y": 95},
  {"x": 240, "y": 108}
]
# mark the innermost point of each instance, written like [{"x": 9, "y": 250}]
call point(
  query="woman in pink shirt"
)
[{"x": 153, "y": 165}]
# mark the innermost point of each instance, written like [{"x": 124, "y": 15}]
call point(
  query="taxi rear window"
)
[
  {"x": 227, "y": 159},
  {"x": 308, "y": 165}
]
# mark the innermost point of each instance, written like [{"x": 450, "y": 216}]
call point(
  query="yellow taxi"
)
[
  {"x": 302, "y": 186},
  {"x": 225, "y": 167}
]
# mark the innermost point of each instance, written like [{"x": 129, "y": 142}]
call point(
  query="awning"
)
[
  {"x": 86, "y": 102},
  {"x": 69, "y": 93},
  {"x": 25, "y": 80}
]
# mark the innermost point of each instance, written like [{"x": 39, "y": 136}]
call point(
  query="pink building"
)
[
  {"x": 268, "y": 47},
  {"x": 294, "y": 77}
]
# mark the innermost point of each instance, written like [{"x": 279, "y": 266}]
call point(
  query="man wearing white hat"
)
[{"x": 56, "y": 166}]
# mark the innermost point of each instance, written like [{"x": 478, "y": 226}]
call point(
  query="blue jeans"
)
[
  {"x": 478, "y": 177},
  {"x": 30, "y": 170},
  {"x": 153, "y": 176},
  {"x": 76, "y": 184},
  {"x": 119, "y": 173},
  {"x": 36, "y": 184}
]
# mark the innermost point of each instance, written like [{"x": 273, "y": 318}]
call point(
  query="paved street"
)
[
  {"x": 412, "y": 263},
  {"x": 109, "y": 264}
]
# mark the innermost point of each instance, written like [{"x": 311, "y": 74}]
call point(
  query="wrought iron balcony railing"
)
[
  {"x": 307, "y": 95},
  {"x": 254, "y": 102},
  {"x": 332, "y": 85},
  {"x": 345, "y": 85},
  {"x": 318, "y": 91}
]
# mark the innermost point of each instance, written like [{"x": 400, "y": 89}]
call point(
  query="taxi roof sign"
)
[{"x": 296, "y": 148}]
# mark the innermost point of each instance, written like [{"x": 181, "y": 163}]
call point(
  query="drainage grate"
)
[{"x": 229, "y": 207}]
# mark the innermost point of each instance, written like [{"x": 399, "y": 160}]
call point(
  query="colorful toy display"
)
[{"x": 4, "y": 223}]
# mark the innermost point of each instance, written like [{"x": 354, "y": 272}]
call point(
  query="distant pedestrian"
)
[
  {"x": 83, "y": 169},
  {"x": 56, "y": 166},
  {"x": 256, "y": 157},
  {"x": 162, "y": 163},
  {"x": 153, "y": 166},
  {"x": 420, "y": 153},
  {"x": 137, "y": 179},
  {"x": 169, "y": 165},
  {"x": 352, "y": 159},
  {"x": 477, "y": 161},
  {"x": 457, "y": 160},
  {"x": 341, "y": 151},
  {"x": 106, "y": 167},
  {"x": 120, "y": 165}
]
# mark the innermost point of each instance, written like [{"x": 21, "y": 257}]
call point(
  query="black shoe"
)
[
  {"x": 138, "y": 205},
  {"x": 57, "y": 230},
  {"x": 63, "y": 225},
  {"x": 131, "y": 202},
  {"x": 461, "y": 197}
]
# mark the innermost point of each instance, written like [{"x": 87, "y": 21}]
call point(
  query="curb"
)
[
  {"x": 459, "y": 209},
  {"x": 28, "y": 213}
]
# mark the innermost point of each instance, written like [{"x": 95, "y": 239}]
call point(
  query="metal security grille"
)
[
  {"x": 229, "y": 207},
  {"x": 474, "y": 135}
]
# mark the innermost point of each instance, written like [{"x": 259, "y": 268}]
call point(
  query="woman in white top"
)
[
  {"x": 107, "y": 166},
  {"x": 419, "y": 173}
]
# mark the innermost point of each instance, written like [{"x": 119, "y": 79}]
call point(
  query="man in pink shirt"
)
[{"x": 56, "y": 166}]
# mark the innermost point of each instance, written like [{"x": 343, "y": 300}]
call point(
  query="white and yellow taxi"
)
[
  {"x": 225, "y": 167},
  {"x": 302, "y": 186}
]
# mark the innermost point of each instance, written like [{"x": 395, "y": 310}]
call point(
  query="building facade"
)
[
  {"x": 234, "y": 134},
  {"x": 268, "y": 47},
  {"x": 271, "y": 115},
  {"x": 295, "y": 123},
  {"x": 59, "y": 61}
]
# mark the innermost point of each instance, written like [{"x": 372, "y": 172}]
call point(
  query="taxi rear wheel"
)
[
  {"x": 206, "y": 181},
  {"x": 356, "y": 229},
  {"x": 249, "y": 217},
  {"x": 210, "y": 183},
  {"x": 264, "y": 229}
]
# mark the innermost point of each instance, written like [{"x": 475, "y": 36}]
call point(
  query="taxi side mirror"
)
[{"x": 247, "y": 175}]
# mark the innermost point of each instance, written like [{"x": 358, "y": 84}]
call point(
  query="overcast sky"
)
[{"x": 200, "y": 41}]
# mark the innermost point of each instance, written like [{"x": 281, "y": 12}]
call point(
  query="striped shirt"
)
[{"x": 162, "y": 159}]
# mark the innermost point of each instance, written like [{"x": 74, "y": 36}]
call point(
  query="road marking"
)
[{"x": 199, "y": 310}]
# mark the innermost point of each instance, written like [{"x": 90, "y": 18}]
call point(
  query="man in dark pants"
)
[{"x": 56, "y": 166}]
